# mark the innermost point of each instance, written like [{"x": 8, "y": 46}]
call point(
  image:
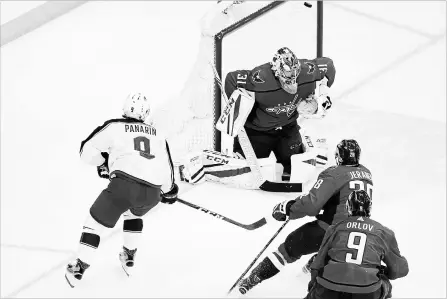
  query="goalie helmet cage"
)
[
  {"x": 234, "y": 35},
  {"x": 218, "y": 46}
]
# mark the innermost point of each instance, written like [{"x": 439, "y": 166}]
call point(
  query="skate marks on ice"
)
[
  {"x": 386, "y": 73},
  {"x": 23, "y": 267},
  {"x": 183, "y": 253}
]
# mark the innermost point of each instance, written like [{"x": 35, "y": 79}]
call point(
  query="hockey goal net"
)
[{"x": 235, "y": 35}]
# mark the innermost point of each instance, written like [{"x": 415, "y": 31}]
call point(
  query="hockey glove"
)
[
  {"x": 387, "y": 288},
  {"x": 171, "y": 196},
  {"x": 383, "y": 271},
  {"x": 324, "y": 104},
  {"x": 282, "y": 210},
  {"x": 313, "y": 280},
  {"x": 103, "y": 169}
]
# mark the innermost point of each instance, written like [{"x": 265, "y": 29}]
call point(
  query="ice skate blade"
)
[
  {"x": 126, "y": 270},
  {"x": 306, "y": 270},
  {"x": 70, "y": 283},
  {"x": 235, "y": 294}
]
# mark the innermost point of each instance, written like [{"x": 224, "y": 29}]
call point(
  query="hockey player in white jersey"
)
[{"x": 136, "y": 160}]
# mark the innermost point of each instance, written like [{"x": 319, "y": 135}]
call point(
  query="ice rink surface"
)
[{"x": 389, "y": 94}]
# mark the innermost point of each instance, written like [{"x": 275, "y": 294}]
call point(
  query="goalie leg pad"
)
[
  {"x": 192, "y": 170},
  {"x": 227, "y": 170},
  {"x": 315, "y": 153},
  {"x": 220, "y": 165},
  {"x": 303, "y": 167},
  {"x": 236, "y": 111}
]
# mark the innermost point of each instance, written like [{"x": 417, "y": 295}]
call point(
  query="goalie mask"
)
[
  {"x": 136, "y": 106},
  {"x": 359, "y": 204},
  {"x": 347, "y": 152},
  {"x": 286, "y": 66}
]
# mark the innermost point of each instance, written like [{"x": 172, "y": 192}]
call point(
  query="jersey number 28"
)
[
  {"x": 143, "y": 145},
  {"x": 361, "y": 185}
]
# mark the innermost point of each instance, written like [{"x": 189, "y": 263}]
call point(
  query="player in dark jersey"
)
[
  {"x": 280, "y": 88},
  {"x": 329, "y": 193},
  {"x": 350, "y": 258}
]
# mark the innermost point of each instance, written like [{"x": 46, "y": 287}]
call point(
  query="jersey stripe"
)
[
  {"x": 104, "y": 126},
  {"x": 170, "y": 163}
]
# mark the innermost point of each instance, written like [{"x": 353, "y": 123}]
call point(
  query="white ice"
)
[{"x": 65, "y": 78}]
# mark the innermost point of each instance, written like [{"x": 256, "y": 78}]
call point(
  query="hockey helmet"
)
[
  {"x": 286, "y": 65},
  {"x": 347, "y": 152},
  {"x": 359, "y": 204},
  {"x": 136, "y": 106}
]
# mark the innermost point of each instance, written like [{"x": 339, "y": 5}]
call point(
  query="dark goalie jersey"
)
[{"x": 274, "y": 107}]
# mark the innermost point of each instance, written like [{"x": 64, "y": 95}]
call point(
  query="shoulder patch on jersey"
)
[
  {"x": 256, "y": 77},
  {"x": 311, "y": 67}
]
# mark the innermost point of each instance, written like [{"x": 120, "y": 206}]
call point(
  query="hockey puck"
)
[{"x": 307, "y": 4}]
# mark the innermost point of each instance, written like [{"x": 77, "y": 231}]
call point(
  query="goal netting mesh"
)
[{"x": 235, "y": 35}]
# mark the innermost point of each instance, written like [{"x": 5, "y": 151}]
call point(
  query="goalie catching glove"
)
[{"x": 316, "y": 106}]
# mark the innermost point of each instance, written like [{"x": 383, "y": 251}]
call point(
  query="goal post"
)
[
  {"x": 218, "y": 49},
  {"x": 235, "y": 35}
]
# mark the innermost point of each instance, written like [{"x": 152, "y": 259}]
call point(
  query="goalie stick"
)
[
  {"x": 251, "y": 158},
  {"x": 253, "y": 226}
]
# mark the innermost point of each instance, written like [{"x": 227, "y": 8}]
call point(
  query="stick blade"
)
[
  {"x": 256, "y": 225},
  {"x": 281, "y": 187}
]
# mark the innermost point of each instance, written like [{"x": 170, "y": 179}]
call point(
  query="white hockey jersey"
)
[{"x": 134, "y": 148}]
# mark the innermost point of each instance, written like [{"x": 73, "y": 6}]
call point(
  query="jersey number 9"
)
[
  {"x": 143, "y": 146},
  {"x": 356, "y": 241}
]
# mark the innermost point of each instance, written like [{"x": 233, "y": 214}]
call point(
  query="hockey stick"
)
[
  {"x": 259, "y": 254},
  {"x": 252, "y": 226},
  {"x": 243, "y": 140},
  {"x": 251, "y": 158}
]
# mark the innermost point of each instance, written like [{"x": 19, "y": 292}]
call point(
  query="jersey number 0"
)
[{"x": 143, "y": 145}]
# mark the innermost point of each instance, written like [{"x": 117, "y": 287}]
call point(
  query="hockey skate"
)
[
  {"x": 248, "y": 283},
  {"x": 75, "y": 271},
  {"x": 127, "y": 258},
  {"x": 306, "y": 267}
]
